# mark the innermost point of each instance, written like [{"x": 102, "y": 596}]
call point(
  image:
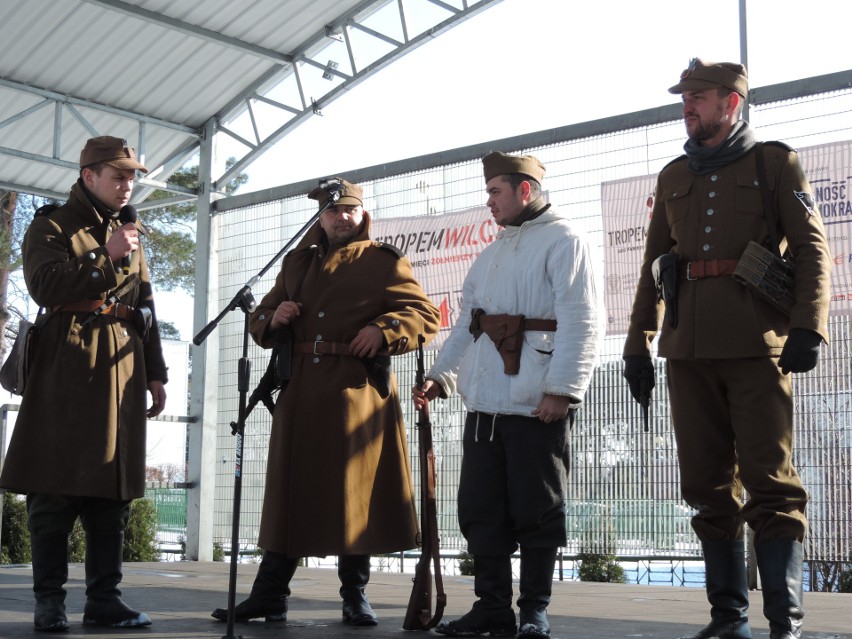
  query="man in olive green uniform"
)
[
  {"x": 729, "y": 352},
  {"x": 78, "y": 448},
  {"x": 338, "y": 479}
]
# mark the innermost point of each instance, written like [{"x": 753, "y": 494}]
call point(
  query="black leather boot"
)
[
  {"x": 780, "y": 564},
  {"x": 537, "y": 566},
  {"x": 269, "y": 592},
  {"x": 492, "y": 612},
  {"x": 354, "y": 573},
  {"x": 50, "y": 572},
  {"x": 727, "y": 591},
  {"x": 104, "y": 605}
]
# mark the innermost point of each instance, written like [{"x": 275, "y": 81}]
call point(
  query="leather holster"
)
[{"x": 507, "y": 333}]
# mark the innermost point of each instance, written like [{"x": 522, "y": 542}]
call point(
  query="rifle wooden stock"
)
[{"x": 418, "y": 615}]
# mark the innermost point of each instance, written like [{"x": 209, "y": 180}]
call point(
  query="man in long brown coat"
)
[
  {"x": 338, "y": 480},
  {"x": 729, "y": 351},
  {"x": 78, "y": 448}
]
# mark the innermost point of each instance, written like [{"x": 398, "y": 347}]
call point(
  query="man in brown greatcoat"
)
[
  {"x": 338, "y": 480},
  {"x": 729, "y": 351},
  {"x": 78, "y": 448}
]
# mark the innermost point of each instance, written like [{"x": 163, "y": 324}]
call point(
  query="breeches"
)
[
  {"x": 513, "y": 481},
  {"x": 47, "y": 514},
  {"x": 733, "y": 423}
]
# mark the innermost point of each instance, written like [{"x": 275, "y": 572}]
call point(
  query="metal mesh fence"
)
[{"x": 623, "y": 482}]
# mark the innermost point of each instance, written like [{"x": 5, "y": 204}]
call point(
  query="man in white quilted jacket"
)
[{"x": 521, "y": 356}]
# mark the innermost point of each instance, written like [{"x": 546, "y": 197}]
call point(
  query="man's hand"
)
[
  {"x": 284, "y": 314},
  {"x": 158, "y": 398},
  {"x": 123, "y": 241},
  {"x": 426, "y": 393},
  {"x": 800, "y": 352},
  {"x": 367, "y": 342},
  {"x": 552, "y": 408},
  {"x": 639, "y": 373}
]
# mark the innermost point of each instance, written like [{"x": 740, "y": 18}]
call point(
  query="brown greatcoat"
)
[
  {"x": 81, "y": 427},
  {"x": 338, "y": 477},
  {"x": 701, "y": 217}
]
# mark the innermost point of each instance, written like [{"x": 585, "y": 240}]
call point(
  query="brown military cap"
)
[
  {"x": 700, "y": 75},
  {"x": 113, "y": 151},
  {"x": 497, "y": 163},
  {"x": 350, "y": 194}
]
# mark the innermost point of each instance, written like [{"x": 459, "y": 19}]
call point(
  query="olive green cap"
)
[
  {"x": 113, "y": 151},
  {"x": 498, "y": 163},
  {"x": 350, "y": 194},
  {"x": 701, "y": 75}
]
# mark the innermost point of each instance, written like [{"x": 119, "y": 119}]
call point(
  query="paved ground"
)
[{"x": 179, "y": 597}]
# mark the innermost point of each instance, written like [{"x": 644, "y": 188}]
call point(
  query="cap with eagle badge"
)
[
  {"x": 497, "y": 163},
  {"x": 350, "y": 194},
  {"x": 701, "y": 75},
  {"x": 112, "y": 151}
]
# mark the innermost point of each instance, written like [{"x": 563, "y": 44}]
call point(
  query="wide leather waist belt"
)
[
  {"x": 539, "y": 324},
  {"x": 119, "y": 310},
  {"x": 321, "y": 348},
  {"x": 700, "y": 269}
]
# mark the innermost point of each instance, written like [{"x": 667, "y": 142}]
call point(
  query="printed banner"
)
[
  {"x": 441, "y": 249},
  {"x": 627, "y": 205}
]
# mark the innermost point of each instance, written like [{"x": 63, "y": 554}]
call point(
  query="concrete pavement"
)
[{"x": 179, "y": 597}]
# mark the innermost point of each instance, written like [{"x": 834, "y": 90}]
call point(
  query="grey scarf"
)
[{"x": 706, "y": 159}]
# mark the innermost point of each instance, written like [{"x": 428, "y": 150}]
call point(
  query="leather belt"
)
[
  {"x": 321, "y": 348},
  {"x": 700, "y": 269},
  {"x": 119, "y": 310},
  {"x": 539, "y": 324}
]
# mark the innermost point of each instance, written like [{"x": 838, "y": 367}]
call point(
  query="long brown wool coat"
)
[
  {"x": 81, "y": 427},
  {"x": 701, "y": 217},
  {"x": 338, "y": 477}
]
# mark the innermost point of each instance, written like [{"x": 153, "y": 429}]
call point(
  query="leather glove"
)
[
  {"x": 639, "y": 373},
  {"x": 800, "y": 352}
]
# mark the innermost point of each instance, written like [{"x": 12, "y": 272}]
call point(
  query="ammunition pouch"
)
[
  {"x": 768, "y": 276},
  {"x": 507, "y": 333},
  {"x": 665, "y": 273}
]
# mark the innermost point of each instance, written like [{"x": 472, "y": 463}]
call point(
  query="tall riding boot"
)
[
  {"x": 780, "y": 564},
  {"x": 727, "y": 590},
  {"x": 50, "y": 572},
  {"x": 537, "y": 565},
  {"x": 104, "y": 605},
  {"x": 354, "y": 573},
  {"x": 269, "y": 592},
  {"x": 492, "y": 612}
]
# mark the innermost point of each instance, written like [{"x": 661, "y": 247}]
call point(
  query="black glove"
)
[
  {"x": 800, "y": 352},
  {"x": 639, "y": 373}
]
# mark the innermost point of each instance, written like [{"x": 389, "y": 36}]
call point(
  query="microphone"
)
[
  {"x": 332, "y": 185},
  {"x": 126, "y": 215}
]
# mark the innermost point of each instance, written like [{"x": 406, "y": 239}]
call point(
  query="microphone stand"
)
[{"x": 245, "y": 301}]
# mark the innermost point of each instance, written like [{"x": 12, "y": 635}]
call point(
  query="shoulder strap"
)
[{"x": 768, "y": 209}]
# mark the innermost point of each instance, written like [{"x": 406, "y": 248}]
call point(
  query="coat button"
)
[
  {"x": 713, "y": 178},
  {"x": 91, "y": 256},
  {"x": 706, "y": 247},
  {"x": 95, "y": 275},
  {"x": 707, "y": 229},
  {"x": 710, "y": 211},
  {"x": 711, "y": 194},
  {"x": 261, "y": 317},
  {"x": 316, "y": 360},
  {"x": 321, "y": 314},
  {"x": 756, "y": 183},
  {"x": 395, "y": 322},
  {"x": 319, "y": 338}
]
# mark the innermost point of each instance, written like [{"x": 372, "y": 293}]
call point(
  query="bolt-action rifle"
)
[{"x": 418, "y": 615}]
